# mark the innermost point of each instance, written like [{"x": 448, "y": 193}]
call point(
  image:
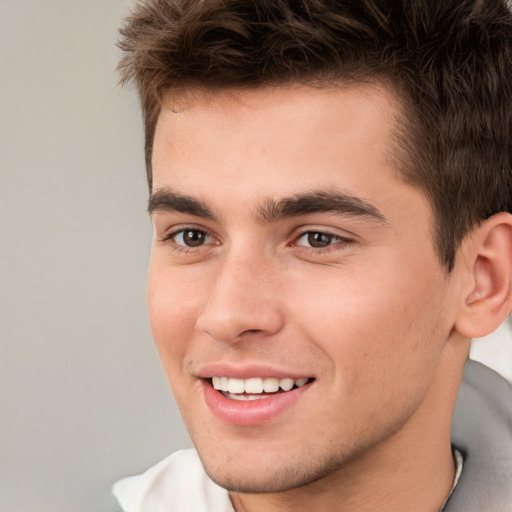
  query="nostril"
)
[{"x": 247, "y": 334}]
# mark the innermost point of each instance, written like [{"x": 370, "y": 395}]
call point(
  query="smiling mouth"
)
[{"x": 255, "y": 388}]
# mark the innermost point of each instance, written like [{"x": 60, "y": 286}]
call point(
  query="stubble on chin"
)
[{"x": 279, "y": 474}]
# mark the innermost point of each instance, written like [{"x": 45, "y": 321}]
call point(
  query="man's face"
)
[{"x": 288, "y": 251}]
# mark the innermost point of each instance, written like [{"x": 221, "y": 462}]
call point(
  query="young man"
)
[{"x": 330, "y": 188}]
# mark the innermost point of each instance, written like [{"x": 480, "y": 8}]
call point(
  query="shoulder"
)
[
  {"x": 176, "y": 484},
  {"x": 482, "y": 431}
]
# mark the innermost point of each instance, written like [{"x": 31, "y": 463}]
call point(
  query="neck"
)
[
  {"x": 413, "y": 469},
  {"x": 417, "y": 483}
]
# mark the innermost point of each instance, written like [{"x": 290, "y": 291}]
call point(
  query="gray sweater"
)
[{"x": 482, "y": 431}]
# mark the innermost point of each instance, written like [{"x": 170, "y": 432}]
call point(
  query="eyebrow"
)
[
  {"x": 165, "y": 200},
  {"x": 339, "y": 203},
  {"x": 320, "y": 202}
]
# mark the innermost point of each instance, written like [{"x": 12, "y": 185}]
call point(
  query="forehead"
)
[
  {"x": 282, "y": 140},
  {"x": 282, "y": 113}
]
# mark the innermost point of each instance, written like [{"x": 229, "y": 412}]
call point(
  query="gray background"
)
[{"x": 83, "y": 400}]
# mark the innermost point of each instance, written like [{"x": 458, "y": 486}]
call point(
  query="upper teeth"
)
[{"x": 256, "y": 384}]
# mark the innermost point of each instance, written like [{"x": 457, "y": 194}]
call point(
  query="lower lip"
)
[{"x": 250, "y": 412}]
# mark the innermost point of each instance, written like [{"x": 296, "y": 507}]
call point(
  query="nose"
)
[{"x": 243, "y": 301}]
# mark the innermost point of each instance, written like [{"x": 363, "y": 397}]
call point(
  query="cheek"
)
[
  {"x": 172, "y": 307},
  {"x": 375, "y": 327}
]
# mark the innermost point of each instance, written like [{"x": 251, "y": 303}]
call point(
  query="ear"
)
[{"x": 487, "y": 293}]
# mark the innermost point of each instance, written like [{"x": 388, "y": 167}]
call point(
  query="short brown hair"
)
[{"x": 449, "y": 61}]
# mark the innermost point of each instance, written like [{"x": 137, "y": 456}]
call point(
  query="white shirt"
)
[{"x": 177, "y": 484}]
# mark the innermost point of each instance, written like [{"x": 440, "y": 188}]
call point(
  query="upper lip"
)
[{"x": 247, "y": 371}]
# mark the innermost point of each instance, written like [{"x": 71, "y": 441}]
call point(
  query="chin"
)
[
  {"x": 265, "y": 473},
  {"x": 252, "y": 484}
]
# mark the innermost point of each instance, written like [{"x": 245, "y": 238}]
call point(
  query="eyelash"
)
[
  {"x": 170, "y": 237},
  {"x": 336, "y": 243},
  {"x": 333, "y": 245}
]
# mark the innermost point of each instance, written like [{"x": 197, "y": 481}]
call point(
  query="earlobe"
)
[{"x": 488, "y": 299}]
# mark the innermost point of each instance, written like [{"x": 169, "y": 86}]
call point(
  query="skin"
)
[{"x": 371, "y": 315}]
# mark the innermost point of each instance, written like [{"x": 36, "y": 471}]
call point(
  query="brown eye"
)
[
  {"x": 318, "y": 240},
  {"x": 191, "y": 238}
]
